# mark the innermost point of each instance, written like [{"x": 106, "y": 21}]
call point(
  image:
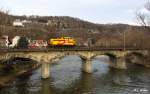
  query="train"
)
[
  {"x": 19, "y": 42},
  {"x": 63, "y": 41}
]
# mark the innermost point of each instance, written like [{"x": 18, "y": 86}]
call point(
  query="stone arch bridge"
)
[{"x": 46, "y": 57}]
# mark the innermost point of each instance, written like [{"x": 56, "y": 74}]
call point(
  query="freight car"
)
[{"x": 37, "y": 44}]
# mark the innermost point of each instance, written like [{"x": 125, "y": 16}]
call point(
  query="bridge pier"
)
[
  {"x": 45, "y": 70},
  {"x": 87, "y": 66},
  {"x": 121, "y": 63}
]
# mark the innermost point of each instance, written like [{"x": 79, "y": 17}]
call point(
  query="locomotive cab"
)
[{"x": 63, "y": 41}]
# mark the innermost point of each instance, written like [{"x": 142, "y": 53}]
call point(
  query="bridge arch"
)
[
  {"x": 136, "y": 57},
  {"x": 112, "y": 57},
  {"x": 62, "y": 55},
  {"x": 8, "y": 57},
  {"x": 140, "y": 54}
]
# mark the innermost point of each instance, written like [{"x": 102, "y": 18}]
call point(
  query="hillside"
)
[{"x": 45, "y": 27}]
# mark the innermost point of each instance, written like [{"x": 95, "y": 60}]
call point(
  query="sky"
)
[{"x": 97, "y": 11}]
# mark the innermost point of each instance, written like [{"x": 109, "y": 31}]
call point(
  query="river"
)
[{"x": 68, "y": 78}]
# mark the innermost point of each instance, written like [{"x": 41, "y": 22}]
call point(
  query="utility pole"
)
[{"x": 124, "y": 41}]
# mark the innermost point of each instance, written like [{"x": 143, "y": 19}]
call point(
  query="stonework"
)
[{"x": 117, "y": 58}]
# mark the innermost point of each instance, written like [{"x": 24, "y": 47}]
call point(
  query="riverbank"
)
[{"x": 5, "y": 79}]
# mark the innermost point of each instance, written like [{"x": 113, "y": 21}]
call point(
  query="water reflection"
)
[
  {"x": 21, "y": 85},
  {"x": 46, "y": 88},
  {"x": 67, "y": 78}
]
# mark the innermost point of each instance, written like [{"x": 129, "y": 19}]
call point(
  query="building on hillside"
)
[
  {"x": 4, "y": 41},
  {"x": 9, "y": 42},
  {"x": 26, "y": 21},
  {"x": 18, "y": 23}
]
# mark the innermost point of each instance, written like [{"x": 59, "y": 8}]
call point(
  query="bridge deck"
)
[{"x": 70, "y": 49}]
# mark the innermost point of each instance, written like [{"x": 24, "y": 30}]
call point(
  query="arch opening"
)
[
  {"x": 100, "y": 64},
  {"x": 109, "y": 58},
  {"x": 22, "y": 60},
  {"x": 68, "y": 68},
  {"x": 19, "y": 65},
  {"x": 58, "y": 58},
  {"x": 136, "y": 58}
]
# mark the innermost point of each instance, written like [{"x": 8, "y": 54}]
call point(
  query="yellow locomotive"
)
[{"x": 63, "y": 41}]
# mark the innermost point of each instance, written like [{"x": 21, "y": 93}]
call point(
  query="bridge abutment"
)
[{"x": 45, "y": 70}]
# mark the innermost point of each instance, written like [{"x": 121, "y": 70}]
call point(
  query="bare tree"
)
[
  {"x": 143, "y": 17},
  {"x": 4, "y": 17}
]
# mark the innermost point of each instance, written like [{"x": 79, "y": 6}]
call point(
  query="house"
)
[
  {"x": 2, "y": 43},
  {"x": 18, "y": 23},
  {"x": 26, "y": 21},
  {"x": 6, "y": 41}
]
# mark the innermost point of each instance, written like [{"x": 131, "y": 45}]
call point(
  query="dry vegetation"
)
[{"x": 82, "y": 31}]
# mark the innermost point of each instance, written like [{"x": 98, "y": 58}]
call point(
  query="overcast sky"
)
[{"x": 97, "y": 11}]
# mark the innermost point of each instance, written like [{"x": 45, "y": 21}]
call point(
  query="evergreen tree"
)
[{"x": 23, "y": 43}]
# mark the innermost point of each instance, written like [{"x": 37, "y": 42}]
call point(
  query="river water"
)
[{"x": 67, "y": 78}]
